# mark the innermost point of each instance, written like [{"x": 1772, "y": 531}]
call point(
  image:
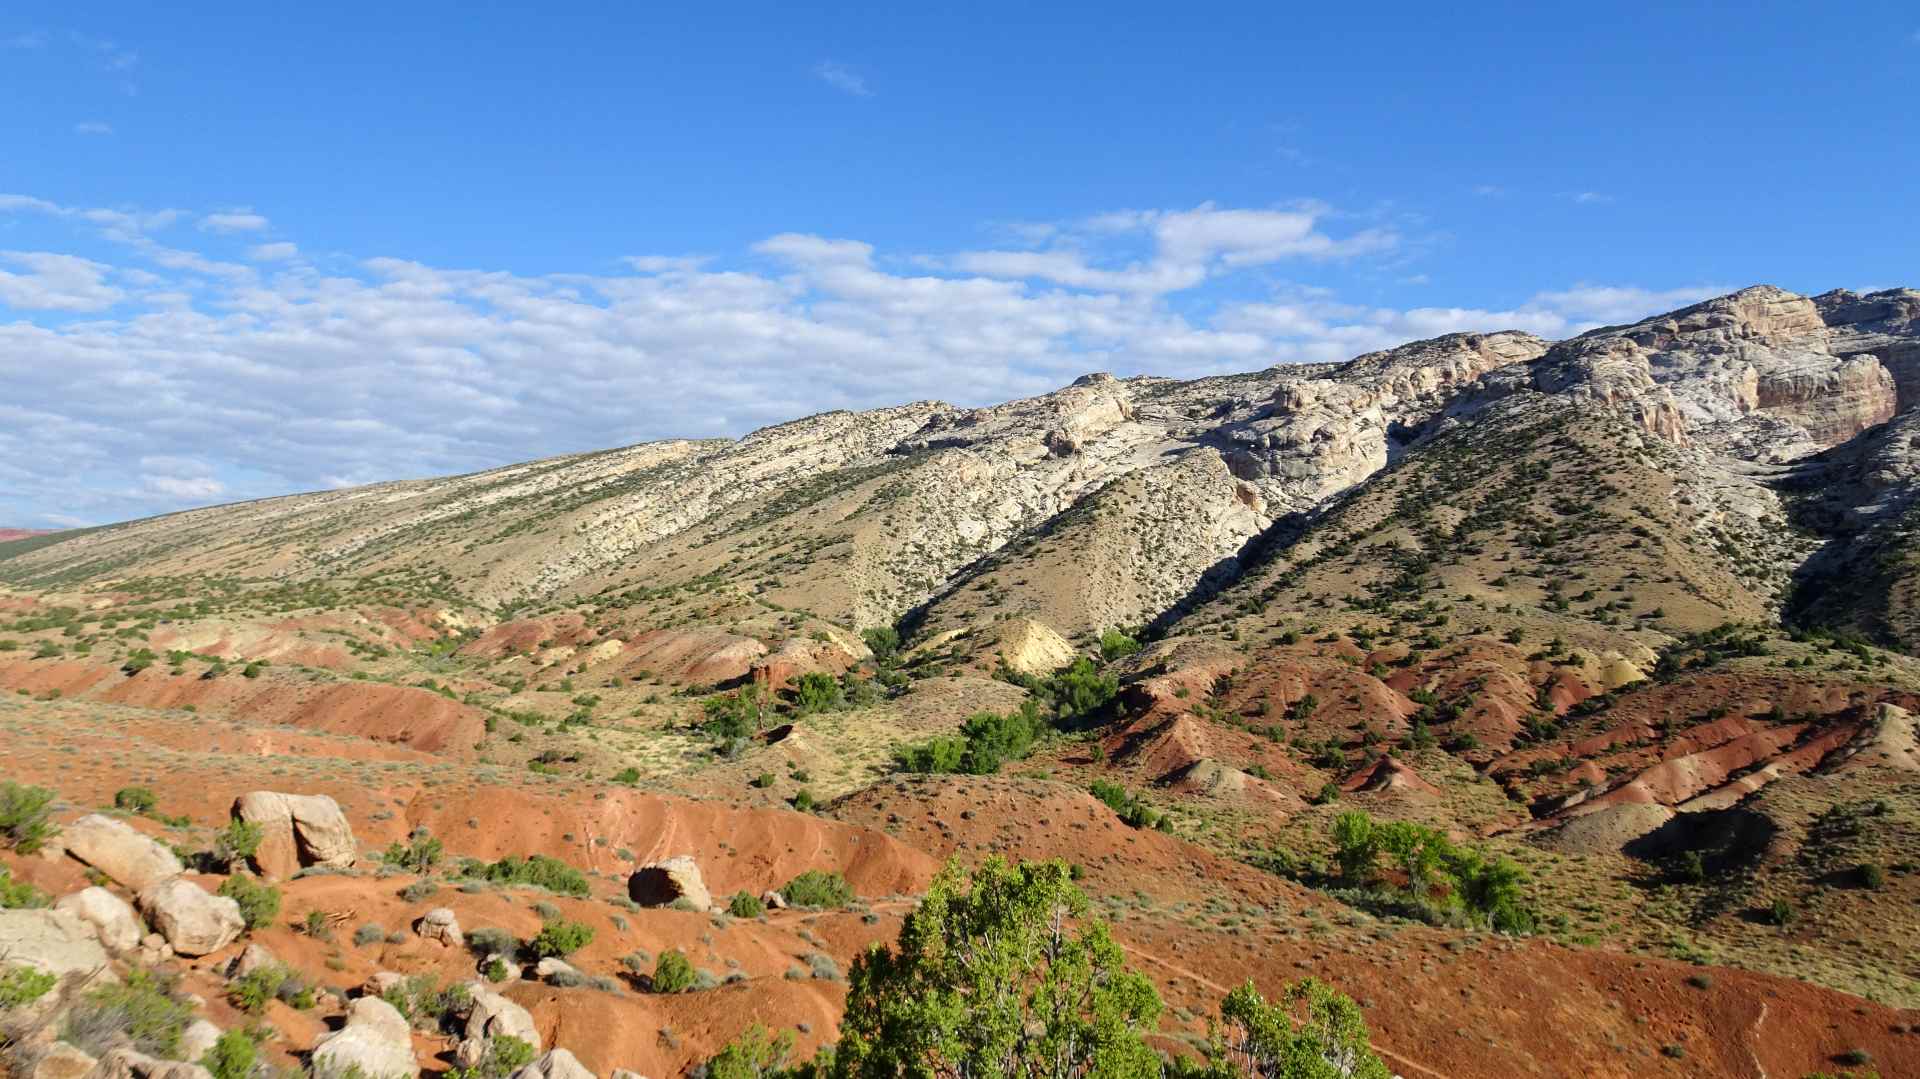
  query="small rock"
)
[
  {"x": 253, "y": 958},
  {"x": 197, "y": 1039},
  {"x": 554, "y": 1064},
  {"x": 773, "y": 900},
  {"x": 550, "y": 967},
  {"x": 440, "y": 924},
  {"x": 494, "y": 1015},
  {"x": 382, "y": 981}
]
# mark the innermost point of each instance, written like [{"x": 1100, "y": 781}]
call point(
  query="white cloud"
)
[
  {"x": 1589, "y": 198},
  {"x": 242, "y": 220},
  {"x": 210, "y": 380},
  {"x": 55, "y": 282},
  {"x": 841, "y": 78},
  {"x": 278, "y": 252},
  {"x": 32, "y": 39},
  {"x": 1489, "y": 191},
  {"x": 92, "y": 127}
]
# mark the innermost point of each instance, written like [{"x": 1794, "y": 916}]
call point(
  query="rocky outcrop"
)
[
  {"x": 297, "y": 831},
  {"x": 112, "y": 918},
  {"x": 494, "y": 1015},
  {"x": 58, "y": 942},
  {"x": 193, "y": 921},
  {"x": 376, "y": 1040},
  {"x": 116, "y": 849},
  {"x": 798, "y": 656},
  {"x": 1030, "y": 647},
  {"x": 673, "y": 882},
  {"x": 132, "y": 1064},
  {"x": 199, "y": 1037},
  {"x": 62, "y": 1061}
]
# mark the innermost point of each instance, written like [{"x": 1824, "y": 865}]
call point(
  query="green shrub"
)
[
  {"x": 1132, "y": 809},
  {"x": 1780, "y": 912},
  {"x": 1115, "y": 644},
  {"x": 672, "y": 973},
  {"x": 735, "y": 715},
  {"x": 505, "y": 1055},
  {"x": 427, "y": 1004},
  {"x": 489, "y": 940},
  {"x": 755, "y": 1054},
  {"x": 23, "y": 816},
  {"x": 802, "y": 800},
  {"x": 233, "y": 1056},
  {"x": 420, "y": 890},
  {"x": 537, "y": 871},
  {"x": 562, "y": 938},
  {"x": 134, "y": 799},
  {"x": 239, "y": 842},
  {"x": 18, "y": 894},
  {"x": 259, "y": 903},
  {"x": 140, "y": 1011},
  {"x": 818, "y": 888},
  {"x": 254, "y": 990},
  {"x": 745, "y": 904},
  {"x": 23, "y": 985},
  {"x": 814, "y": 692},
  {"x": 368, "y": 934},
  {"x": 419, "y": 854},
  {"x": 884, "y": 641},
  {"x": 628, "y": 776},
  {"x": 1872, "y": 874}
]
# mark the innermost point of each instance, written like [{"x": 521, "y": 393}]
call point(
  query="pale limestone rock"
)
[
  {"x": 54, "y": 941},
  {"x": 298, "y": 830},
  {"x": 441, "y": 924},
  {"x": 119, "y": 851},
  {"x": 665, "y": 883},
  {"x": 111, "y": 916},
  {"x": 197, "y": 1039},
  {"x": 376, "y": 1039},
  {"x": 193, "y": 921},
  {"x": 62, "y": 1061}
]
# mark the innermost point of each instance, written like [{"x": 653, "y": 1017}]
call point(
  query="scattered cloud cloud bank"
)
[
  {"x": 92, "y": 127},
  {"x": 842, "y": 78},
  {"x": 203, "y": 358}
]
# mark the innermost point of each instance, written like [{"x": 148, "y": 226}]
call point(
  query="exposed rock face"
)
[
  {"x": 442, "y": 925},
  {"x": 494, "y": 1015},
  {"x": 131, "y": 1064},
  {"x": 1031, "y": 647},
  {"x": 62, "y": 1061},
  {"x": 112, "y": 917},
  {"x": 193, "y": 921},
  {"x": 57, "y": 942},
  {"x": 254, "y": 956},
  {"x": 801, "y": 655},
  {"x": 298, "y": 830},
  {"x": 116, "y": 849},
  {"x": 675, "y": 880},
  {"x": 554, "y": 1064},
  {"x": 376, "y": 1040}
]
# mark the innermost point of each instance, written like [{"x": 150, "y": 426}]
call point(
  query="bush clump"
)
[
  {"x": 23, "y": 816},
  {"x": 141, "y": 1011},
  {"x": 20, "y": 986},
  {"x": 745, "y": 904},
  {"x": 18, "y": 894},
  {"x": 259, "y": 902},
  {"x": 419, "y": 854},
  {"x": 672, "y": 973},
  {"x": 818, "y": 888},
  {"x": 562, "y": 938},
  {"x": 135, "y": 799},
  {"x": 538, "y": 871}
]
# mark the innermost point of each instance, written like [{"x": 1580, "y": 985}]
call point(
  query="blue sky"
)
[{"x": 258, "y": 249}]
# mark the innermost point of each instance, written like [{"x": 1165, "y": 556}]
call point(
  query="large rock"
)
[
  {"x": 662, "y": 884},
  {"x": 193, "y": 921},
  {"x": 376, "y": 1040},
  {"x": 112, "y": 918},
  {"x": 255, "y": 956},
  {"x": 553, "y": 967},
  {"x": 120, "y": 852},
  {"x": 494, "y": 1015},
  {"x": 554, "y": 1064},
  {"x": 55, "y": 941},
  {"x": 62, "y": 1061},
  {"x": 297, "y": 830}
]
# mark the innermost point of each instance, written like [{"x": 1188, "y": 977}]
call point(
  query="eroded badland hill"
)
[{"x": 1636, "y": 613}]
